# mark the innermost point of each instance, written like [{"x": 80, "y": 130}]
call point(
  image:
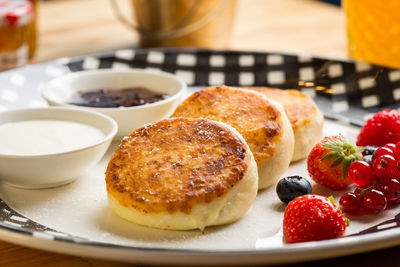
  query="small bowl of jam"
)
[{"x": 132, "y": 97}]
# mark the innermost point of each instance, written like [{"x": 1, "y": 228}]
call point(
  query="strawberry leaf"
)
[
  {"x": 331, "y": 155},
  {"x": 345, "y": 166},
  {"x": 332, "y": 147},
  {"x": 336, "y": 162},
  {"x": 333, "y": 142}
]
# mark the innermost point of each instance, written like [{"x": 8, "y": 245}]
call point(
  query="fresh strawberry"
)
[
  {"x": 312, "y": 218},
  {"x": 381, "y": 129},
  {"x": 329, "y": 161}
]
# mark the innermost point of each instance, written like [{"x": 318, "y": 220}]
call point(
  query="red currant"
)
[
  {"x": 385, "y": 167},
  {"x": 374, "y": 200},
  {"x": 391, "y": 189},
  {"x": 360, "y": 173},
  {"x": 391, "y": 146},
  {"x": 382, "y": 151},
  {"x": 351, "y": 204},
  {"x": 361, "y": 189},
  {"x": 396, "y": 151}
]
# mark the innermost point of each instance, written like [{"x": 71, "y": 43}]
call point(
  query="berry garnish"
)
[
  {"x": 290, "y": 187},
  {"x": 368, "y": 159},
  {"x": 385, "y": 167},
  {"x": 378, "y": 183},
  {"x": 381, "y": 129},
  {"x": 312, "y": 218},
  {"x": 391, "y": 189},
  {"x": 374, "y": 200},
  {"x": 369, "y": 150},
  {"x": 360, "y": 190},
  {"x": 351, "y": 204},
  {"x": 396, "y": 151},
  {"x": 330, "y": 159},
  {"x": 382, "y": 151},
  {"x": 391, "y": 146},
  {"x": 360, "y": 173}
]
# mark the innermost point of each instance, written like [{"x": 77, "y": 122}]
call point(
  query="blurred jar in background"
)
[
  {"x": 373, "y": 31},
  {"x": 17, "y": 33},
  {"x": 191, "y": 23},
  {"x": 33, "y": 30}
]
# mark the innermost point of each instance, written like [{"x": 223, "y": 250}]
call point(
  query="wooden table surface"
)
[{"x": 77, "y": 27}]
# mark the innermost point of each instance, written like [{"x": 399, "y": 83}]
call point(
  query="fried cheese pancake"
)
[
  {"x": 182, "y": 173},
  {"x": 262, "y": 123},
  {"x": 306, "y": 119}
]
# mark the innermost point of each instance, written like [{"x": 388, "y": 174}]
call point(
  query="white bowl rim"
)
[
  {"x": 48, "y": 87},
  {"x": 107, "y": 137}
]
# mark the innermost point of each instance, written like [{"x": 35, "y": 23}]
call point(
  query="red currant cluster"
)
[{"x": 378, "y": 181}]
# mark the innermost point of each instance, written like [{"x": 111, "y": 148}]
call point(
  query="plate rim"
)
[{"x": 285, "y": 254}]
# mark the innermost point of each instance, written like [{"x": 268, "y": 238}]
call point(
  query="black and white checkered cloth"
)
[{"x": 344, "y": 90}]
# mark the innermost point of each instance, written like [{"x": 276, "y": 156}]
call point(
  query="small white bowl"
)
[
  {"x": 49, "y": 170},
  {"x": 60, "y": 90}
]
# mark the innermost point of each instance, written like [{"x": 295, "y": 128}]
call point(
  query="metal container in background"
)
[{"x": 190, "y": 23}]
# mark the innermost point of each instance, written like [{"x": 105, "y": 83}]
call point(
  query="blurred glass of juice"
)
[{"x": 373, "y": 31}]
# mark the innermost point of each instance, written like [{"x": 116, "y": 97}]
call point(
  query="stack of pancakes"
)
[{"x": 204, "y": 165}]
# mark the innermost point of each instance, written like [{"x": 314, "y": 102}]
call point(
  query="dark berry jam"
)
[{"x": 106, "y": 98}]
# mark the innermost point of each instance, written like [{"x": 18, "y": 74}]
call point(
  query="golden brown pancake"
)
[
  {"x": 299, "y": 107},
  {"x": 166, "y": 173},
  {"x": 304, "y": 116},
  {"x": 262, "y": 123}
]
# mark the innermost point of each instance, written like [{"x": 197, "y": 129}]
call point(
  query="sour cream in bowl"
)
[{"x": 47, "y": 147}]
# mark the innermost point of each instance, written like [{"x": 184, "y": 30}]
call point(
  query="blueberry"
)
[
  {"x": 368, "y": 159},
  {"x": 369, "y": 150},
  {"x": 290, "y": 187}
]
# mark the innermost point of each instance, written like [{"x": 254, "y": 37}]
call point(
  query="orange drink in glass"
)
[{"x": 373, "y": 31}]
